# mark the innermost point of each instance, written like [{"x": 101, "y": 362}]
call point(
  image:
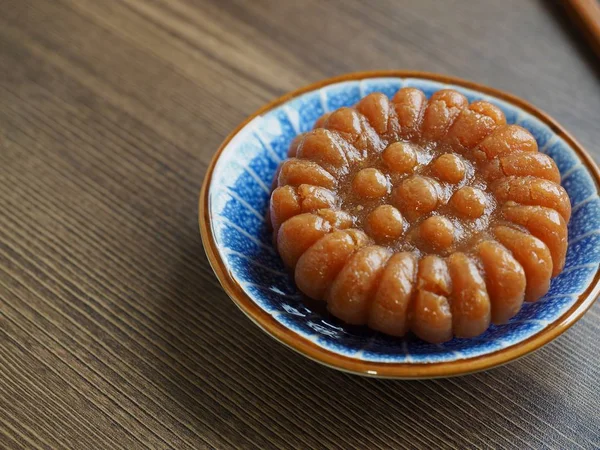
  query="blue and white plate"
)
[{"x": 235, "y": 199}]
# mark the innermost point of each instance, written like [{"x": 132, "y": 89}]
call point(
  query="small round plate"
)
[{"x": 235, "y": 197}]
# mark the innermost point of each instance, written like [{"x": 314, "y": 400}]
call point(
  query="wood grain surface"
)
[{"x": 114, "y": 332}]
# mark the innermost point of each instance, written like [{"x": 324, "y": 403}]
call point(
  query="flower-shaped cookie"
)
[{"x": 431, "y": 216}]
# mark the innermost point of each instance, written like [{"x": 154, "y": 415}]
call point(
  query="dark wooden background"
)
[{"x": 114, "y": 332}]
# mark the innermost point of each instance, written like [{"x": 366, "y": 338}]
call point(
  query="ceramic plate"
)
[{"x": 235, "y": 197}]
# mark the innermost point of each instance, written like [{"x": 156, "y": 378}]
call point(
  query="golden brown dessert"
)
[{"x": 431, "y": 216}]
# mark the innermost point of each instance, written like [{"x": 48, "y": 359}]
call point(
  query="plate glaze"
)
[{"x": 235, "y": 198}]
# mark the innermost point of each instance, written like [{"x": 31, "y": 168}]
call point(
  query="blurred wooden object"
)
[{"x": 586, "y": 14}]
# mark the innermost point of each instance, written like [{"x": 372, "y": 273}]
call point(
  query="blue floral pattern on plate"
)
[{"x": 239, "y": 197}]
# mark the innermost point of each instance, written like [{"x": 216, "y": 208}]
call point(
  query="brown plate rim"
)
[{"x": 381, "y": 369}]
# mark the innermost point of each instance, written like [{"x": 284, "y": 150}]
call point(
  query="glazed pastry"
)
[{"x": 431, "y": 216}]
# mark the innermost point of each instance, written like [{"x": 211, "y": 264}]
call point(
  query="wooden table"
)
[{"x": 114, "y": 332}]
